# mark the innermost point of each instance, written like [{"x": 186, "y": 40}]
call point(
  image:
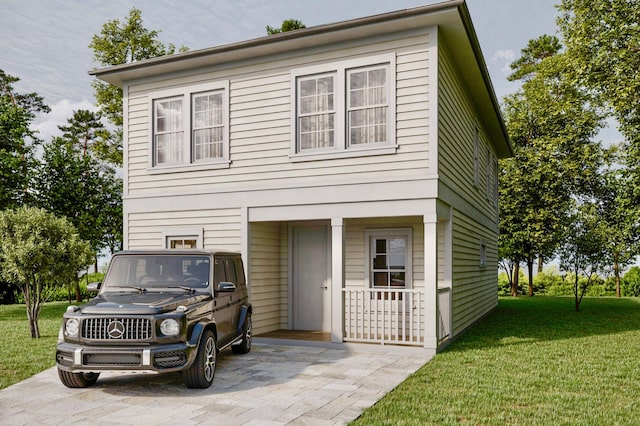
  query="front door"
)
[{"x": 311, "y": 284}]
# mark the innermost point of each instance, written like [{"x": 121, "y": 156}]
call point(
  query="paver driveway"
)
[{"x": 274, "y": 384}]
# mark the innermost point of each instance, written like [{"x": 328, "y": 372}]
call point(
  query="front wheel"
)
[
  {"x": 244, "y": 346},
  {"x": 200, "y": 374},
  {"x": 77, "y": 380}
]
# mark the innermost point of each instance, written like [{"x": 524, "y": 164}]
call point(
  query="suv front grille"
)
[{"x": 116, "y": 329}]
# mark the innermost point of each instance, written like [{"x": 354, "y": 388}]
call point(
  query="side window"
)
[
  {"x": 218, "y": 271},
  {"x": 240, "y": 272},
  {"x": 231, "y": 270}
]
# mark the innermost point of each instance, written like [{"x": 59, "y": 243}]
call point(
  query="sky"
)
[{"x": 45, "y": 42}]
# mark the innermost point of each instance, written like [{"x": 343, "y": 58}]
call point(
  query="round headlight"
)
[
  {"x": 71, "y": 327},
  {"x": 170, "y": 327}
]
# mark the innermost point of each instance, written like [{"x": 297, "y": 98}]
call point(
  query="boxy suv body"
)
[{"x": 161, "y": 311}]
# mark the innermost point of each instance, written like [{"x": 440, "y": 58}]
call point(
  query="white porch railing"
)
[{"x": 384, "y": 316}]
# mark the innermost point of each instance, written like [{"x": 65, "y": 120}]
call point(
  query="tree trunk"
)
[
  {"x": 616, "y": 273},
  {"x": 76, "y": 285},
  {"x": 530, "y": 271},
  {"x": 540, "y": 264},
  {"x": 515, "y": 280}
]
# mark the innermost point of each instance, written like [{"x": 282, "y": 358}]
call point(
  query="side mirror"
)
[
  {"x": 225, "y": 287},
  {"x": 94, "y": 287}
]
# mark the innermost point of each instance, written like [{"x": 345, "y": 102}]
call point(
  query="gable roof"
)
[{"x": 451, "y": 17}]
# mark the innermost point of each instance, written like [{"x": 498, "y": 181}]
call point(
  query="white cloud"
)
[
  {"x": 47, "y": 124},
  {"x": 502, "y": 60}
]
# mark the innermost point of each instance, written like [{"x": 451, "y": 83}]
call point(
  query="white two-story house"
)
[{"x": 354, "y": 166}]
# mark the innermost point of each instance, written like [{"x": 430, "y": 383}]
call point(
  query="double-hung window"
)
[
  {"x": 367, "y": 105},
  {"x": 389, "y": 258},
  {"x": 344, "y": 109},
  {"x": 316, "y": 112},
  {"x": 169, "y": 132},
  {"x": 190, "y": 128}
]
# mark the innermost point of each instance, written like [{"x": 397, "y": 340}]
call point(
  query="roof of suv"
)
[{"x": 180, "y": 252}]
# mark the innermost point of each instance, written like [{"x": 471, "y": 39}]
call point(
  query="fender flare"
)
[
  {"x": 244, "y": 313},
  {"x": 197, "y": 332}
]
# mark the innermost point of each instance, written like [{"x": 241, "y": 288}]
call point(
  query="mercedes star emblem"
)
[{"x": 115, "y": 329}]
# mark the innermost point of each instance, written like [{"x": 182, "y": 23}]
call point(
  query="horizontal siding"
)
[
  {"x": 260, "y": 125},
  {"x": 474, "y": 286},
  {"x": 456, "y": 121},
  {"x": 266, "y": 277},
  {"x": 220, "y": 228}
]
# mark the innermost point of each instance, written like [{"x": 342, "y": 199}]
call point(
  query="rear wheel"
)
[
  {"x": 77, "y": 380},
  {"x": 244, "y": 346},
  {"x": 200, "y": 374}
]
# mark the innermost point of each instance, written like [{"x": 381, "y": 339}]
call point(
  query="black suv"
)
[{"x": 162, "y": 311}]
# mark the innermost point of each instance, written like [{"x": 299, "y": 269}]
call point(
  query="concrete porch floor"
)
[{"x": 312, "y": 383}]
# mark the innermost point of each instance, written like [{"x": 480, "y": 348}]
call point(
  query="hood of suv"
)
[{"x": 140, "y": 303}]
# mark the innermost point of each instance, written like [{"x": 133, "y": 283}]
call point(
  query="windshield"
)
[{"x": 157, "y": 271}]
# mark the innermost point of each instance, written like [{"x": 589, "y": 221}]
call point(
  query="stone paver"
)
[{"x": 275, "y": 384}]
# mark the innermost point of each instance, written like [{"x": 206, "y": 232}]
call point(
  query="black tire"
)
[
  {"x": 200, "y": 374},
  {"x": 245, "y": 346},
  {"x": 77, "y": 380}
]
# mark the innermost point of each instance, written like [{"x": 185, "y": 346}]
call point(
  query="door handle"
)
[{"x": 324, "y": 287}]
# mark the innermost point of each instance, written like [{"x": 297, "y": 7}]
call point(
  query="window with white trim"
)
[
  {"x": 316, "y": 112},
  {"x": 188, "y": 242},
  {"x": 476, "y": 156},
  {"x": 182, "y": 238},
  {"x": 367, "y": 105},
  {"x": 344, "y": 107},
  {"x": 190, "y": 127},
  {"x": 168, "y": 131},
  {"x": 389, "y": 258},
  {"x": 208, "y": 125}
]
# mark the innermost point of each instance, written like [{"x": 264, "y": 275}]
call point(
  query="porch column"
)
[
  {"x": 431, "y": 281},
  {"x": 337, "y": 279}
]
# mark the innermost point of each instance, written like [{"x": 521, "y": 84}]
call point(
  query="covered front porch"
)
[{"x": 356, "y": 279}]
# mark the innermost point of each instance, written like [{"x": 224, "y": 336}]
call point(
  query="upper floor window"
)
[
  {"x": 190, "y": 126},
  {"x": 342, "y": 107},
  {"x": 316, "y": 112},
  {"x": 168, "y": 131},
  {"x": 367, "y": 105},
  {"x": 208, "y": 126}
]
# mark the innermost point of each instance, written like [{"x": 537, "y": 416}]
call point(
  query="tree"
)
[
  {"x": 90, "y": 135},
  {"x": 551, "y": 124},
  {"x": 17, "y": 112},
  {"x": 83, "y": 190},
  {"x": 618, "y": 213},
  {"x": 603, "y": 49},
  {"x": 287, "y": 25},
  {"x": 121, "y": 43},
  {"x": 38, "y": 249},
  {"x": 581, "y": 252}
]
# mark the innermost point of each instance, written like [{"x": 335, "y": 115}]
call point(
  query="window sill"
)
[
  {"x": 195, "y": 167},
  {"x": 348, "y": 153}
]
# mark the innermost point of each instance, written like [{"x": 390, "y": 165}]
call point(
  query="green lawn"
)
[
  {"x": 533, "y": 361},
  {"x": 20, "y": 355}
]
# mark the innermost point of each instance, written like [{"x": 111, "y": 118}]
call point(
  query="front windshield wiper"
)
[
  {"x": 183, "y": 287},
  {"x": 135, "y": 287}
]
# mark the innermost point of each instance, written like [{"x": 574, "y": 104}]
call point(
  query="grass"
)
[
  {"x": 20, "y": 355},
  {"x": 533, "y": 361}
]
